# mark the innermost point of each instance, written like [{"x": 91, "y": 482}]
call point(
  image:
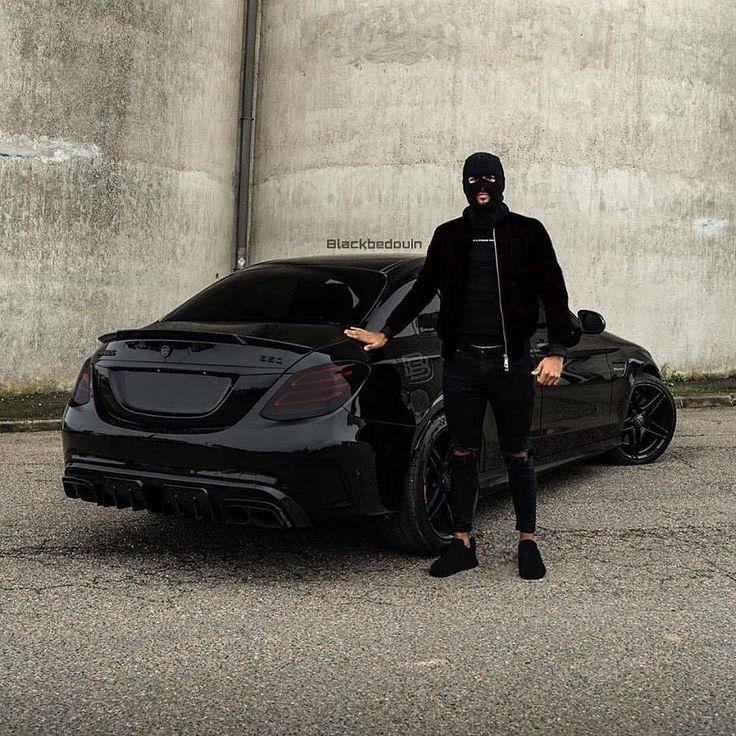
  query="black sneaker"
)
[
  {"x": 454, "y": 558},
  {"x": 531, "y": 566}
]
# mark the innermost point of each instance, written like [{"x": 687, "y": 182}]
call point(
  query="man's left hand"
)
[{"x": 549, "y": 370}]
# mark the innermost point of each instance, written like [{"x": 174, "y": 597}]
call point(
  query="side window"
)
[{"x": 378, "y": 318}]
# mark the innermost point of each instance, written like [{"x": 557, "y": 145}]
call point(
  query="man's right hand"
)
[{"x": 373, "y": 340}]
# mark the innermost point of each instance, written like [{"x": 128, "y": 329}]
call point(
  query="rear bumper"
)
[
  {"x": 267, "y": 475},
  {"x": 255, "y": 500}
]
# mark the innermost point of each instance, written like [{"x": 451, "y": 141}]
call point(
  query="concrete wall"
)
[
  {"x": 615, "y": 120},
  {"x": 118, "y": 162}
]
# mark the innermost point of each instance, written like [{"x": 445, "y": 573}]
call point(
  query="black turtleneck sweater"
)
[{"x": 480, "y": 315}]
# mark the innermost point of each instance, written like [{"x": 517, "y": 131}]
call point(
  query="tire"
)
[
  {"x": 651, "y": 417},
  {"x": 419, "y": 526}
]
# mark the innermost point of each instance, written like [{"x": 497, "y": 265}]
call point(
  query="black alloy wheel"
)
[
  {"x": 436, "y": 486},
  {"x": 649, "y": 424},
  {"x": 423, "y": 523}
]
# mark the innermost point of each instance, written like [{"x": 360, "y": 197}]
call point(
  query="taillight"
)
[
  {"x": 316, "y": 391},
  {"x": 81, "y": 392}
]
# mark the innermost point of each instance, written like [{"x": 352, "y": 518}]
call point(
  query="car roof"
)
[{"x": 384, "y": 263}]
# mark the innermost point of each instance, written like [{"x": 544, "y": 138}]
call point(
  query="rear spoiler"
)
[{"x": 163, "y": 334}]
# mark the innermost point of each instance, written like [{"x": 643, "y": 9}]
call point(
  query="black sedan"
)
[{"x": 248, "y": 405}]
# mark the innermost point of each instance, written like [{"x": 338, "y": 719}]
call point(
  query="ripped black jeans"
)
[{"x": 469, "y": 380}]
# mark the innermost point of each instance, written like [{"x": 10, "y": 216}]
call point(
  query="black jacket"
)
[{"x": 527, "y": 270}]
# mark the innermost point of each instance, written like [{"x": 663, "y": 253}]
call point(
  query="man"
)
[{"x": 490, "y": 267}]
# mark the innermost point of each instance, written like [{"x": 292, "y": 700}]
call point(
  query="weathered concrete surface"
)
[
  {"x": 118, "y": 155},
  {"x": 117, "y": 622},
  {"x": 616, "y": 122}
]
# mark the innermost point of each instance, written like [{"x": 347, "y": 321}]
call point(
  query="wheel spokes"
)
[
  {"x": 437, "y": 503},
  {"x": 634, "y": 404},
  {"x": 637, "y": 438},
  {"x": 438, "y": 506},
  {"x": 646, "y": 401},
  {"x": 656, "y": 430},
  {"x": 434, "y": 503},
  {"x": 435, "y": 462},
  {"x": 442, "y": 508},
  {"x": 649, "y": 408}
]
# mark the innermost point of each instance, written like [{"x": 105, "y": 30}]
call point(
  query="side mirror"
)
[
  {"x": 591, "y": 323},
  {"x": 427, "y": 321}
]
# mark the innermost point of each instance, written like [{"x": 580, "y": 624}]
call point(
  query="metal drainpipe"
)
[{"x": 247, "y": 84}]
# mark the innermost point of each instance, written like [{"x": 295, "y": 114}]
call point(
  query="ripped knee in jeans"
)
[
  {"x": 464, "y": 453},
  {"x": 520, "y": 457}
]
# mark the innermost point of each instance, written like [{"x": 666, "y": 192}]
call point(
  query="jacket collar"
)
[
  {"x": 493, "y": 218},
  {"x": 463, "y": 229}
]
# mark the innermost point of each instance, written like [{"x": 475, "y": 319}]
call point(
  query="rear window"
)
[{"x": 286, "y": 293}]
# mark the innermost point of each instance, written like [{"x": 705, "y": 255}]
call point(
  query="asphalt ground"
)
[{"x": 122, "y": 622}]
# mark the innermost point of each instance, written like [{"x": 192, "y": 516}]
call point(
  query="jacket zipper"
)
[{"x": 500, "y": 306}]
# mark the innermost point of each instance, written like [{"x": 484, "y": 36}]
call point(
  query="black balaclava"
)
[{"x": 484, "y": 215}]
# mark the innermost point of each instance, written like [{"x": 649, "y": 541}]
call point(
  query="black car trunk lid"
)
[{"x": 192, "y": 377}]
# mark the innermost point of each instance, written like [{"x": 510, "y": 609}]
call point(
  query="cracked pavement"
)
[{"x": 122, "y": 622}]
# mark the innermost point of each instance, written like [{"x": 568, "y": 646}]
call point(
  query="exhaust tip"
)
[
  {"x": 239, "y": 512},
  {"x": 266, "y": 517},
  {"x": 79, "y": 488}
]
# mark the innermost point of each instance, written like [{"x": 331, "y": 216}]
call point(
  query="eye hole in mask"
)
[{"x": 490, "y": 178}]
